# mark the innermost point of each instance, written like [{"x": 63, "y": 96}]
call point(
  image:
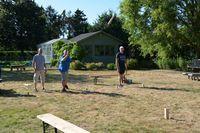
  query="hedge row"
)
[{"x": 16, "y": 55}]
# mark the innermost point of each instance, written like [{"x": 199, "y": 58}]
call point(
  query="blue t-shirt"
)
[{"x": 64, "y": 65}]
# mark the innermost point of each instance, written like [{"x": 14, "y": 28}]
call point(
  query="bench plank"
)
[{"x": 61, "y": 124}]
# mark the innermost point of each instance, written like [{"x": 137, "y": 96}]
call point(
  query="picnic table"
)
[
  {"x": 18, "y": 67},
  {"x": 194, "y": 65}
]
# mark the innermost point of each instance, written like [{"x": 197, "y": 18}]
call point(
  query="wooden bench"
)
[
  {"x": 59, "y": 124},
  {"x": 18, "y": 67},
  {"x": 193, "y": 76}
]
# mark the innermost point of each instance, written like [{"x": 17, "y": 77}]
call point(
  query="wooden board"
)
[{"x": 61, "y": 124}]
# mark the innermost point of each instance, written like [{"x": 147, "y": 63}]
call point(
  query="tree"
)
[
  {"x": 22, "y": 24},
  {"x": 168, "y": 29},
  {"x": 7, "y": 25},
  {"x": 54, "y": 22},
  {"x": 30, "y": 24},
  {"x": 115, "y": 28},
  {"x": 77, "y": 23}
]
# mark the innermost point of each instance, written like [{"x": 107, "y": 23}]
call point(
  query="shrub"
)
[
  {"x": 132, "y": 63},
  {"x": 77, "y": 52},
  {"x": 16, "y": 55},
  {"x": 182, "y": 63},
  {"x": 91, "y": 66},
  {"x": 111, "y": 66},
  {"x": 54, "y": 62},
  {"x": 77, "y": 65},
  {"x": 100, "y": 65},
  {"x": 167, "y": 63}
]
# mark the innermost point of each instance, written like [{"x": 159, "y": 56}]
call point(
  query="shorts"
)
[
  {"x": 37, "y": 74},
  {"x": 64, "y": 76},
  {"x": 121, "y": 71}
]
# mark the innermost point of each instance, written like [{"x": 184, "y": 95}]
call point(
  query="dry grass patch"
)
[{"x": 103, "y": 107}]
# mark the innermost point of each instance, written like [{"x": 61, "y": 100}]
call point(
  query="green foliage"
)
[
  {"x": 22, "y": 25},
  {"x": 115, "y": 27},
  {"x": 94, "y": 66},
  {"x": 6, "y": 64},
  {"x": 16, "y": 55},
  {"x": 77, "y": 65},
  {"x": 77, "y": 23},
  {"x": 132, "y": 63},
  {"x": 77, "y": 52},
  {"x": 165, "y": 30},
  {"x": 91, "y": 66},
  {"x": 54, "y": 62},
  {"x": 111, "y": 66},
  {"x": 60, "y": 46},
  {"x": 178, "y": 63}
]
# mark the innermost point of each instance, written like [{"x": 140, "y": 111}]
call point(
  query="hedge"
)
[{"x": 16, "y": 55}]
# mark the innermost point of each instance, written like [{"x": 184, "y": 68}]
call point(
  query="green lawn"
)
[{"x": 102, "y": 107}]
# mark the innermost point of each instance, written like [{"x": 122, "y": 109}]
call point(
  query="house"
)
[{"x": 98, "y": 46}]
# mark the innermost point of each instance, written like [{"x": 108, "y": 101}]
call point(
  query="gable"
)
[{"x": 100, "y": 38}]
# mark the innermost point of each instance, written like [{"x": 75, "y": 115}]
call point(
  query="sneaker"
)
[
  {"x": 66, "y": 87},
  {"x": 63, "y": 90},
  {"x": 44, "y": 89},
  {"x": 119, "y": 86}
]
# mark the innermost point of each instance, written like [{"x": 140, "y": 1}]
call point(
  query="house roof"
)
[
  {"x": 82, "y": 37},
  {"x": 50, "y": 41}
]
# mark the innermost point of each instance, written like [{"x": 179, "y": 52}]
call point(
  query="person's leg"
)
[
  {"x": 35, "y": 79},
  {"x": 42, "y": 78},
  {"x": 120, "y": 79},
  {"x": 66, "y": 86},
  {"x": 63, "y": 81}
]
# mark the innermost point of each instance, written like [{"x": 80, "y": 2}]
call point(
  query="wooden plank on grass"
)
[{"x": 61, "y": 124}]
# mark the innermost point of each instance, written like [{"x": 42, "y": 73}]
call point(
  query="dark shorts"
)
[{"x": 121, "y": 71}]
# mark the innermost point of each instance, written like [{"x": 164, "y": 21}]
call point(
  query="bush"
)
[
  {"x": 111, "y": 66},
  {"x": 95, "y": 66},
  {"x": 54, "y": 62},
  {"x": 77, "y": 65},
  {"x": 16, "y": 55},
  {"x": 91, "y": 66},
  {"x": 182, "y": 64},
  {"x": 167, "y": 63},
  {"x": 77, "y": 53},
  {"x": 132, "y": 64},
  {"x": 100, "y": 65}
]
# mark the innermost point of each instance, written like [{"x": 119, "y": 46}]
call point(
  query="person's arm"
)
[
  {"x": 64, "y": 58},
  {"x": 117, "y": 63},
  {"x": 126, "y": 65},
  {"x": 33, "y": 64},
  {"x": 45, "y": 68}
]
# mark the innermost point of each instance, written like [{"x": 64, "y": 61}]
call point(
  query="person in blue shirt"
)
[{"x": 63, "y": 67}]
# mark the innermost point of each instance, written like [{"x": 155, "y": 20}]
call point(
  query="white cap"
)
[{"x": 121, "y": 47}]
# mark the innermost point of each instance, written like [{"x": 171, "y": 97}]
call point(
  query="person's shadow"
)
[{"x": 12, "y": 93}]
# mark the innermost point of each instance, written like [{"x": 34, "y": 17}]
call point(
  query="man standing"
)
[
  {"x": 39, "y": 68},
  {"x": 64, "y": 68},
  {"x": 121, "y": 65}
]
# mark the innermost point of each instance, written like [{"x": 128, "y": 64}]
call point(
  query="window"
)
[
  {"x": 99, "y": 50},
  {"x": 104, "y": 50},
  {"x": 109, "y": 50}
]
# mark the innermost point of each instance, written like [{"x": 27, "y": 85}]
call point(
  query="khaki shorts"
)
[
  {"x": 64, "y": 76},
  {"x": 37, "y": 74}
]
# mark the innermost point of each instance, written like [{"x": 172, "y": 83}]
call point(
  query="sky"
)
[{"x": 92, "y": 8}]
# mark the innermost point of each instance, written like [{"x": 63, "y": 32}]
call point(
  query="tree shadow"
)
[
  {"x": 173, "y": 89},
  {"x": 12, "y": 93},
  {"x": 87, "y": 92}
]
